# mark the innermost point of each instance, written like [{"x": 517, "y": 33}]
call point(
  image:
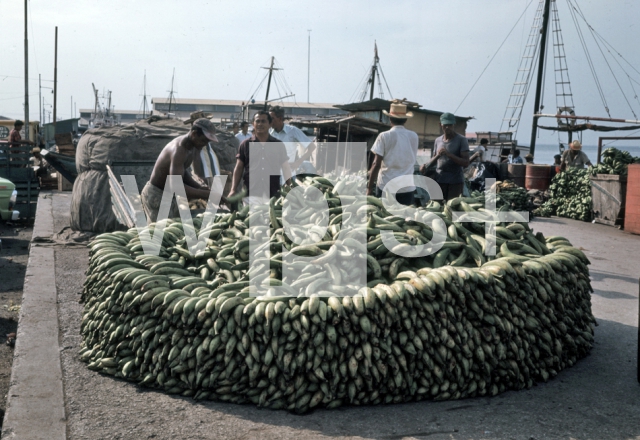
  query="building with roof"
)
[
  {"x": 362, "y": 123},
  {"x": 225, "y": 111},
  {"x": 426, "y": 123},
  {"x": 122, "y": 117}
]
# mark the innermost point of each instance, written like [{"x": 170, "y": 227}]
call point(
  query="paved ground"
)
[
  {"x": 13, "y": 263},
  {"x": 599, "y": 398}
]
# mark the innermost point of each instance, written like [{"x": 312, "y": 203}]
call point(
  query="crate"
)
[
  {"x": 608, "y": 192},
  {"x": 632, "y": 204},
  {"x": 64, "y": 184}
]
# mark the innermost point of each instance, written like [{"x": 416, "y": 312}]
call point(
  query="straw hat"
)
[
  {"x": 398, "y": 111},
  {"x": 35, "y": 150},
  {"x": 576, "y": 145}
]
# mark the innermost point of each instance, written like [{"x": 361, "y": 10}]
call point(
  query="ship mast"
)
[
  {"x": 541, "y": 59},
  {"x": 266, "y": 98},
  {"x": 171, "y": 92},
  {"x": 374, "y": 67}
]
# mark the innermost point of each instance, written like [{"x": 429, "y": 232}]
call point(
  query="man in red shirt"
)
[{"x": 15, "y": 140}]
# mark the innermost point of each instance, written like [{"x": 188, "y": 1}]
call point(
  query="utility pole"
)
[
  {"x": 40, "y": 99},
  {"x": 536, "y": 105},
  {"x": 308, "y": 65},
  {"x": 71, "y": 106},
  {"x": 26, "y": 75},
  {"x": 55, "y": 84}
]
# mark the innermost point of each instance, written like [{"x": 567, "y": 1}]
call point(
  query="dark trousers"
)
[
  {"x": 451, "y": 190},
  {"x": 405, "y": 198}
]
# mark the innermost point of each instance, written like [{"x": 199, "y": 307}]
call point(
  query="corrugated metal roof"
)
[
  {"x": 357, "y": 123},
  {"x": 239, "y": 103},
  {"x": 378, "y": 104}
]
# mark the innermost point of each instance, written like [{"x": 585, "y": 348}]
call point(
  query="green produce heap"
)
[
  {"x": 508, "y": 193},
  {"x": 571, "y": 189},
  {"x": 570, "y": 196},
  {"x": 614, "y": 161},
  {"x": 452, "y": 325}
]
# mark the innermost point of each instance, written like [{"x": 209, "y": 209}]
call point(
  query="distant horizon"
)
[{"x": 468, "y": 68}]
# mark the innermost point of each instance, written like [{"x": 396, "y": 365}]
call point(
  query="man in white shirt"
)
[
  {"x": 291, "y": 136},
  {"x": 395, "y": 155},
  {"x": 244, "y": 133},
  {"x": 478, "y": 153}
]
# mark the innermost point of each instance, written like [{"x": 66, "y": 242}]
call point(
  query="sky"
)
[{"x": 431, "y": 52}]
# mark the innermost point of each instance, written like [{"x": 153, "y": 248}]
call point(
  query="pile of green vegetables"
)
[
  {"x": 614, "y": 161},
  {"x": 508, "y": 194},
  {"x": 451, "y": 325},
  {"x": 570, "y": 196}
]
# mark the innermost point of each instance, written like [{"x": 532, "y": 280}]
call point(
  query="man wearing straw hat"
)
[
  {"x": 395, "y": 155},
  {"x": 574, "y": 157}
]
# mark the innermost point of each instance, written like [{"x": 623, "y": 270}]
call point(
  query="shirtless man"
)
[{"x": 174, "y": 160}]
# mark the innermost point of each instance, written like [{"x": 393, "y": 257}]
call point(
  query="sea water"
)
[{"x": 544, "y": 152}]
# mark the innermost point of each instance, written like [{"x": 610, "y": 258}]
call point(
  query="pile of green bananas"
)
[
  {"x": 508, "y": 194},
  {"x": 453, "y": 325},
  {"x": 570, "y": 196},
  {"x": 614, "y": 161}
]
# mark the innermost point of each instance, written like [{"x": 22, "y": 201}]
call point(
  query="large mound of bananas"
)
[
  {"x": 570, "y": 196},
  {"x": 614, "y": 161},
  {"x": 452, "y": 325}
]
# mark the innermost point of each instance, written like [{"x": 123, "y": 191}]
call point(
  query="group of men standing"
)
[
  {"x": 275, "y": 147},
  {"x": 271, "y": 146},
  {"x": 396, "y": 152}
]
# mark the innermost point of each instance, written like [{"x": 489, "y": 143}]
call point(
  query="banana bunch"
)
[
  {"x": 508, "y": 194},
  {"x": 570, "y": 196},
  {"x": 614, "y": 161},
  {"x": 453, "y": 325}
]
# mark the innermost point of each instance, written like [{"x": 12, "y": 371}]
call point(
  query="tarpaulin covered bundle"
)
[
  {"x": 143, "y": 141},
  {"x": 91, "y": 208}
]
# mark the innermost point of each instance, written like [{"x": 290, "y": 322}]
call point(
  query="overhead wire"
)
[
  {"x": 594, "y": 34},
  {"x": 613, "y": 74},
  {"x": 573, "y": 12},
  {"x": 261, "y": 82},
  {"x": 522, "y": 83},
  {"x": 385, "y": 81},
  {"x": 494, "y": 55},
  {"x": 358, "y": 90}
]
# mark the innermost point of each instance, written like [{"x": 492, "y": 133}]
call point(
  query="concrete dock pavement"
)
[
  {"x": 35, "y": 403},
  {"x": 598, "y": 398}
]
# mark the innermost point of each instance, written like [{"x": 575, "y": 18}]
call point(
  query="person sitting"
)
[
  {"x": 40, "y": 165},
  {"x": 514, "y": 157}
]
